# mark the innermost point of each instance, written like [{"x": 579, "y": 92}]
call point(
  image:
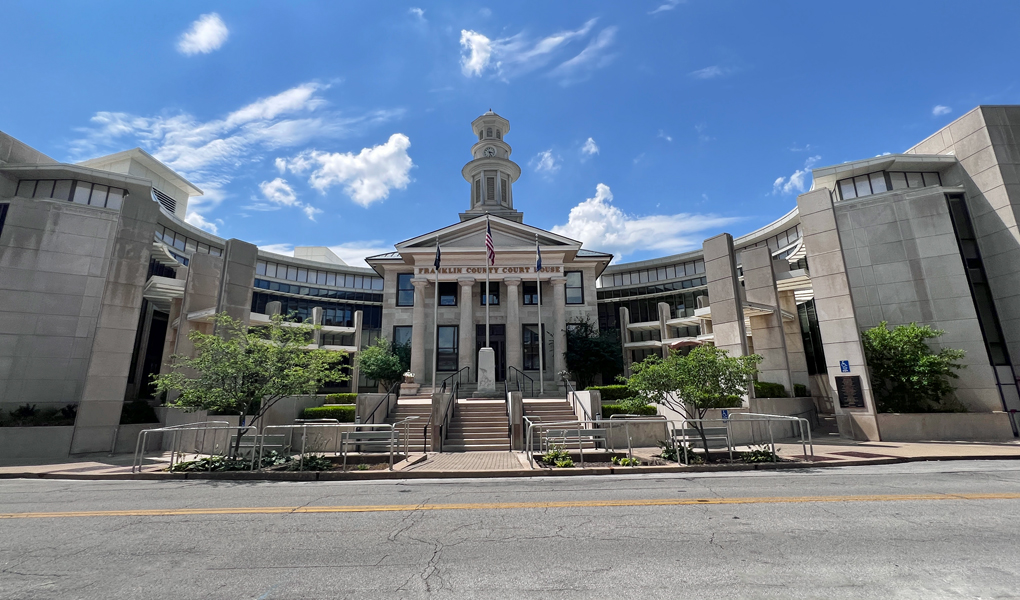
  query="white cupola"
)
[{"x": 491, "y": 173}]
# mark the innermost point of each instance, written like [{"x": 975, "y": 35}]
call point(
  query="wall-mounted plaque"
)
[{"x": 851, "y": 395}]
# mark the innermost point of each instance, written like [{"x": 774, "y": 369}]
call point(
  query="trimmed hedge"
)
[
  {"x": 609, "y": 410},
  {"x": 801, "y": 391},
  {"x": 344, "y": 414},
  {"x": 341, "y": 398},
  {"x": 612, "y": 392},
  {"x": 766, "y": 389}
]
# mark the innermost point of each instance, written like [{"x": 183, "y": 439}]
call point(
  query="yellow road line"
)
[{"x": 273, "y": 510}]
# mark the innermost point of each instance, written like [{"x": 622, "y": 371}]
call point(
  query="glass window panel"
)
[
  {"x": 357, "y": 282},
  {"x": 447, "y": 350},
  {"x": 915, "y": 180},
  {"x": 179, "y": 241},
  {"x": 898, "y": 180},
  {"x": 320, "y": 278},
  {"x": 115, "y": 199},
  {"x": 349, "y": 281},
  {"x": 191, "y": 246},
  {"x": 846, "y": 189},
  {"x": 331, "y": 279},
  {"x": 260, "y": 268},
  {"x": 878, "y": 183},
  {"x": 699, "y": 266},
  {"x": 292, "y": 273},
  {"x": 270, "y": 269},
  {"x": 862, "y": 185},
  {"x": 405, "y": 291},
  {"x": 215, "y": 251},
  {"x": 44, "y": 189},
  {"x": 617, "y": 279},
  {"x": 62, "y": 190},
  {"x": 402, "y": 334},
  {"x": 99, "y": 195},
  {"x": 26, "y": 188},
  {"x": 929, "y": 179},
  {"x": 204, "y": 248},
  {"x": 661, "y": 272},
  {"x": 642, "y": 276},
  {"x": 575, "y": 288},
  {"x": 627, "y": 278},
  {"x": 302, "y": 275},
  {"x": 81, "y": 192},
  {"x": 377, "y": 283}
]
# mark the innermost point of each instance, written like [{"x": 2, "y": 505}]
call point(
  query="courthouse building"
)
[{"x": 101, "y": 280}]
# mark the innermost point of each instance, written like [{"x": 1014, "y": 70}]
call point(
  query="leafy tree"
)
[
  {"x": 691, "y": 385},
  {"x": 591, "y": 352},
  {"x": 381, "y": 363},
  {"x": 906, "y": 376},
  {"x": 403, "y": 352},
  {"x": 247, "y": 370}
]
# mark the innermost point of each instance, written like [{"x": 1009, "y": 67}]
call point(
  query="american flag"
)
[{"x": 490, "y": 250}]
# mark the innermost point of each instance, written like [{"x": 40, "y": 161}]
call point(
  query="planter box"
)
[
  {"x": 949, "y": 427},
  {"x": 35, "y": 442}
]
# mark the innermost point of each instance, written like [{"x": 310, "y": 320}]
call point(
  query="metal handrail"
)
[
  {"x": 455, "y": 374},
  {"x": 572, "y": 398},
  {"x": 803, "y": 427},
  {"x": 143, "y": 438},
  {"x": 341, "y": 432},
  {"x": 451, "y": 405},
  {"x": 520, "y": 378},
  {"x": 371, "y": 414}
]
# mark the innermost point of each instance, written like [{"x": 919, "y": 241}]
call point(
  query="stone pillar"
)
[
  {"x": 794, "y": 341},
  {"x": 559, "y": 324},
  {"x": 418, "y": 327},
  {"x": 355, "y": 372},
  {"x": 466, "y": 330},
  {"x": 664, "y": 315},
  {"x": 767, "y": 331},
  {"x": 317, "y": 320},
  {"x": 841, "y": 337},
  {"x": 514, "y": 349},
  {"x": 725, "y": 296},
  {"x": 624, "y": 339}
]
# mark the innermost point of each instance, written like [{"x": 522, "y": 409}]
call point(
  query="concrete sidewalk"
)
[{"x": 827, "y": 452}]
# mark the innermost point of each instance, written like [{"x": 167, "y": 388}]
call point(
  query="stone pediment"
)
[{"x": 506, "y": 234}]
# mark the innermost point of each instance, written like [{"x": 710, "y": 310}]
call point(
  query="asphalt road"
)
[{"x": 920, "y": 530}]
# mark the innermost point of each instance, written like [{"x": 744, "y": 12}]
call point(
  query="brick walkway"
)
[{"x": 469, "y": 461}]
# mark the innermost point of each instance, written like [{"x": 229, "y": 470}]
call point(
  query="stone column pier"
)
[
  {"x": 514, "y": 354},
  {"x": 418, "y": 331},
  {"x": 767, "y": 331},
  {"x": 466, "y": 330},
  {"x": 559, "y": 324}
]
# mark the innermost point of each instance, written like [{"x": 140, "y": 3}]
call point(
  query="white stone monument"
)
[{"x": 486, "y": 370}]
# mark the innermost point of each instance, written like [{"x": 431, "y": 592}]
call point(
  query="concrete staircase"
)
[
  {"x": 478, "y": 425},
  {"x": 417, "y": 437}
]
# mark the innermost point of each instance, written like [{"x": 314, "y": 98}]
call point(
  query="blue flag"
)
[{"x": 538, "y": 252}]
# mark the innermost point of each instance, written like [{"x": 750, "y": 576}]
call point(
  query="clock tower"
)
[{"x": 491, "y": 173}]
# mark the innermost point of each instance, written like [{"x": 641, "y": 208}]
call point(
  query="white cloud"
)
[
  {"x": 281, "y": 165},
  {"x": 209, "y": 153},
  {"x": 710, "y": 72},
  {"x": 284, "y": 249},
  {"x": 545, "y": 162},
  {"x": 518, "y": 54},
  {"x": 590, "y": 147},
  {"x": 662, "y": 134},
  {"x": 798, "y": 181},
  {"x": 667, "y": 6},
  {"x": 940, "y": 110},
  {"x": 196, "y": 219},
  {"x": 367, "y": 177},
  {"x": 310, "y": 211},
  {"x": 591, "y": 58},
  {"x": 603, "y": 226},
  {"x": 208, "y": 33},
  {"x": 419, "y": 13},
  {"x": 280, "y": 192}
]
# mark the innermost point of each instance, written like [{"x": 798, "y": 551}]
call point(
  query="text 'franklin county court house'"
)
[{"x": 101, "y": 280}]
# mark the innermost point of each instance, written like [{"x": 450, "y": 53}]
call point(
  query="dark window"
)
[
  {"x": 402, "y": 335},
  {"x": 447, "y": 293},
  {"x": 530, "y": 292},
  {"x": 493, "y": 294},
  {"x": 530, "y": 343},
  {"x": 447, "y": 352},
  {"x": 405, "y": 291},
  {"x": 575, "y": 287},
  {"x": 3, "y": 216}
]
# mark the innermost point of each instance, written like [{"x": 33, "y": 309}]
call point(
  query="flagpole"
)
[
  {"x": 538, "y": 286},
  {"x": 488, "y": 296},
  {"x": 435, "y": 324}
]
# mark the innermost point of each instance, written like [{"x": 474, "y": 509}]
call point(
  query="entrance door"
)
[{"x": 497, "y": 338}]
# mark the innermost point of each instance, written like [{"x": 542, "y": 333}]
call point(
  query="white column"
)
[
  {"x": 514, "y": 353},
  {"x": 418, "y": 330},
  {"x": 466, "y": 331},
  {"x": 559, "y": 324}
]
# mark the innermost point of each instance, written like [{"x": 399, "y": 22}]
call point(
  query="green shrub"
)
[
  {"x": 29, "y": 415},
  {"x": 343, "y": 413},
  {"x": 767, "y": 389},
  {"x": 226, "y": 463},
  {"x": 801, "y": 391},
  {"x": 758, "y": 454},
  {"x": 557, "y": 456},
  {"x": 311, "y": 462},
  {"x": 137, "y": 411},
  {"x": 565, "y": 463},
  {"x": 341, "y": 398},
  {"x": 729, "y": 402},
  {"x": 625, "y": 462},
  {"x": 609, "y": 410},
  {"x": 671, "y": 452},
  {"x": 362, "y": 467},
  {"x": 612, "y": 392}
]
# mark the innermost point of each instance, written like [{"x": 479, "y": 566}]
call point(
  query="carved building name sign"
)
[{"x": 492, "y": 270}]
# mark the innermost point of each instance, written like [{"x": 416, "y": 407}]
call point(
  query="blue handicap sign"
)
[
  {"x": 725, "y": 414},
  {"x": 844, "y": 366}
]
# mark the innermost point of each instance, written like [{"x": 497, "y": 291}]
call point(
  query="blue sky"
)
[{"x": 642, "y": 128}]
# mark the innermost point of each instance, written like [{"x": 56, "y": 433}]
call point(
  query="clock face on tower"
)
[{"x": 489, "y": 151}]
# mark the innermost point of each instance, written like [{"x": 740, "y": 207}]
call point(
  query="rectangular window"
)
[
  {"x": 302, "y": 275},
  {"x": 446, "y": 357},
  {"x": 115, "y": 199},
  {"x": 915, "y": 180},
  {"x": 62, "y": 190},
  {"x": 81, "y": 192},
  {"x": 270, "y": 269},
  {"x": 490, "y": 189},
  {"x": 99, "y": 195},
  {"x": 190, "y": 245},
  {"x": 699, "y": 267},
  {"x": 530, "y": 289},
  {"x": 863, "y": 186},
  {"x": 405, "y": 291},
  {"x": 878, "y": 182},
  {"x": 260, "y": 268},
  {"x": 502, "y": 191},
  {"x": 478, "y": 191},
  {"x": 44, "y": 189},
  {"x": 929, "y": 179},
  {"x": 898, "y": 181},
  {"x": 627, "y": 278},
  {"x": 320, "y": 278},
  {"x": 402, "y": 335},
  {"x": 846, "y": 189},
  {"x": 3, "y": 216},
  {"x": 575, "y": 287},
  {"x": 617, "y": 280},
  {"x": 447, "y": 293},
  {"x": 377, "y": 283},
  {"x": 331, "y": 279},
  {"x": 26, "y": 188},
  {"x": 529, "y": 341},
  {"x": 493, "y": 294}
]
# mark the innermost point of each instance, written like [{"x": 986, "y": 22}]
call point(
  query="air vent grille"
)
[{"x": 166, "y": 201}]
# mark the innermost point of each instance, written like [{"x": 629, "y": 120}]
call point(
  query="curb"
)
[{"x": 542, "y": 472}]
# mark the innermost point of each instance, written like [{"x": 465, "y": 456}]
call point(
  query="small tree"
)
[
  {"x": 691, "y": 385},
  {"x": 591, "y": 352},
  {"x": 247, "y": 370},
  {"x": 906, "y": 376},
  {"x": 381, "y": 363}
]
